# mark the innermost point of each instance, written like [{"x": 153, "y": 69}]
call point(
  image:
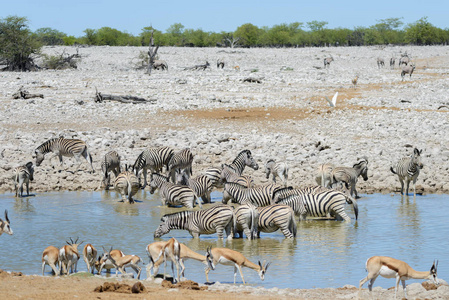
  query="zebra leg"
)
[
  {"x": 144, "y": 170},
  {"x": 407, "y": 182},
  {"x": 220, "y": 232},
  {"x": 28, "y": 187},
  {"x": 88, "y": 157},
  {"x": 402, "y": 184}
]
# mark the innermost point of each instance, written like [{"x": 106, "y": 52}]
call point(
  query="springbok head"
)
[{"x": 4, "y": 225}]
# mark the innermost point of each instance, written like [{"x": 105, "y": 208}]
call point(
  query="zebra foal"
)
[
  {"x": 323, "y": 175},
  {"x": 277, "y": 170},
  {"x": 173, "y": 194},
  {"x": 180, "y": 160},
  {"x": 127, "y": 185},
  {"x": 63, "y": 147},
  {"x": 23, "y": 174},
  {"x": 216, "y": 219},
  {"x": 349, "y": 176},
  {"x": 407, "y": 169},
  {"x": 110, "y": 162},
  {"x": 154, "y": 159}
]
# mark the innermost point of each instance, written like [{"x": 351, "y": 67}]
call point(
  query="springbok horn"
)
[{"x": 6, "y": 216}]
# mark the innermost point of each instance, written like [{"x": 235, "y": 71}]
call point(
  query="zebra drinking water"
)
[
  {"x": 110, "y": 162},
  {"x": 154, "y": 159},
  {"x": 23, "y": 174},
  {"x": 173, "y": 194},
  {"x": 277, "y": 170},
  {"x": 407, "y": 169},
  {"x": 63, "y": 147},
  {"x": 218, "y": 218}
]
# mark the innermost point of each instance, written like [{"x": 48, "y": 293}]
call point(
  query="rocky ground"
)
[{"x": 216, "y": 114}]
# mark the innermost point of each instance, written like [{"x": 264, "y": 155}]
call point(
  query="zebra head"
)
[
  {"x": 249, "y": 160},
  {"x": 39, "y": 156},
  {"x": 416, "y": 158},
  {"x": 156, "y": 181},
  {"x": 210, "y": 258},
  {"x": 263, "y": 269},
  {"x": 162, "y": 229}
]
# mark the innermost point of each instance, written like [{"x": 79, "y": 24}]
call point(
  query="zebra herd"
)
[{"x": 260, "y": 208}]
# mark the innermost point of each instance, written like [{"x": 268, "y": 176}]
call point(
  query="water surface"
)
[{"x": 324, "y": 254}]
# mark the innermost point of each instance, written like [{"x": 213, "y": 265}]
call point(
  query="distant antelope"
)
[
  {"x": 393, "y": 268},
  {"x": 380, "y": 62},
  {"x": 69, "y": 256},
  {"x": 407, "y": 70},
  {"x": 327, "y": 61},
  {"x": 230, "y": 257},
  {"x": 354, "y": 81},
  {"x": 4, "y": 225},
  {"x": 220, "y": 63},
  {"x": 121, "y": 262},
  {"x": 50, "y": 257},
  {"x": 392, "y": 62},
  {"x": 237, "y": 68},
  {"x": 89, "y": 256}
]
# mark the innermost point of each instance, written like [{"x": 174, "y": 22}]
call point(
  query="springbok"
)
[
  {"x": 69, "y": 256},
  {"x": 171, "y": 250},
  {"x": 50, "y": 257},
  {"x": 394, "y": 268},
  {"x": 230, "y": 257},
  {"x": 89, "y": 256},
  {"x": 354, "y": 81},
  {"x": 4, "y": 225},
  {"x": 101, "y": 263},
  {"x": 121, "y": 262},
  {"x": 154, "y": 251}
]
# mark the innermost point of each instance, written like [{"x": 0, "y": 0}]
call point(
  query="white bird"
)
[{"x": 332, "y": 103}]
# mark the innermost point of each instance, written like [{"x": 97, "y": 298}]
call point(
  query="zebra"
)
[
  {"x": 407, "y": 168},
  {"x": 111, "y": 162},
  {"x": 63, "y": 147},
  {"x": 173, "y": 194},
  {"x": 126, "y": 184},
  {"x": 320, "y": 204},
  {"x": 349, "y": 176},
  {"x": 277, "y": 170},
  {"x": 323, "y": 175},
  {"x": 265, "y": 219},
  {"x": 180, "y": 160},
  {"x": 153, "y": 159},
  {"x": 23, "y": 174},
  {"x": 244, "y": 158},
  {"x": 201, "y": 185},
  {"x": 258, "y": 196},
  {"x": 228, "y": 174},
  {"x": 217, "y": 219}
]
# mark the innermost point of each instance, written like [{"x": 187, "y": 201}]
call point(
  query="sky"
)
[{"x": 73, "y": 17}]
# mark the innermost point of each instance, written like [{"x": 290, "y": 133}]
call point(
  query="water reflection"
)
[{"x": 22, "y": 205}]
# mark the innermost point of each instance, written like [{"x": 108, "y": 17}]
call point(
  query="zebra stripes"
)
[
  {"x": 201, "y": 185},
  {"x": 228, "y": 174},
  {"x": 110, "y": 162},
  {"x": 218, "y": 218},
  {"x": 214, "y": 175},
  {"x": 277, "y": 170},
  {"x": 349, "y": 176},
  {"x": 63, "y": 147},
  {"x": 173, "y": 194},
  {"x": 258, "y": 196},
  {"x": 253, "y": 220},
  {"x": 154, "y": 159},
  {"x": 407, "y": 169},
  {"x": 180, "y": 160},
  {"x": 23, "y": 174},
  {"x": 127, "y": 184},
  {"x": 244, "y": 158},
  {"x": 320, "y": 204}
]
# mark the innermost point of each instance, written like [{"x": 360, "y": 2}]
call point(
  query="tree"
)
[
  {"x": 175, "y": 34},
  {"x": 422, "y": 32},
  {"x": 49, "y": 36},
  {"x": 249, "y": 34},
  {"x": 317, "y": 32},
  {"x": 17, "y": 44},
  {"x": 146, "y": 34}
]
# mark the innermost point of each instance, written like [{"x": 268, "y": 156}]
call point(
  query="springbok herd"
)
[{"x": 264, "y": 208}]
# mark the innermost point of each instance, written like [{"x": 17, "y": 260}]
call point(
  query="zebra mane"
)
[
  {"x": 236, "y": 184},
  {"x": 360, "y": 163},
  {"x": 247, "y": 152},
  {"x": 29, "y": 165},
  {"x": 159, "y": 175},
  {"x": 270, "y": 160},
  {"x": 228, "y": 166},
  {"x": 285, "y": 189}
]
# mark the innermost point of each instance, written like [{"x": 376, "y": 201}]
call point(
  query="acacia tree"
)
[{"x": 17, "y": 44}]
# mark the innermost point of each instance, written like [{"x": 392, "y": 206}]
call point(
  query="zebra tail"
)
[
  {"x": 292, "y": 226},
  {"x": 392, "y": 171},
  {"x": 234, "y": 225},
  {"x": 351, "y": 200},
  {"x": 254, "y": 223},
  {"x": 129, "y": 189}
]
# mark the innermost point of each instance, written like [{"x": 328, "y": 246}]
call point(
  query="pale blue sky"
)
[{"x": 73, "y": 17}]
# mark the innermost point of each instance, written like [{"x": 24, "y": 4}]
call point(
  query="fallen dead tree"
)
[
  {"x": 99, "y": 97},
  {"x": 24, "y": 94},
  {"x": 199, "y": 67}
]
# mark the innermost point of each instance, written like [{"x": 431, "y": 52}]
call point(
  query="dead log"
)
[
  {"x": 24, "y": 94},
  {"x": 151, "y": 53},
  {"x": 99, "y": 97},
  {"x": 199, "y": 67},
  {"x": 443, "y": 106},
  {"x": 252, "y": 79}
]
